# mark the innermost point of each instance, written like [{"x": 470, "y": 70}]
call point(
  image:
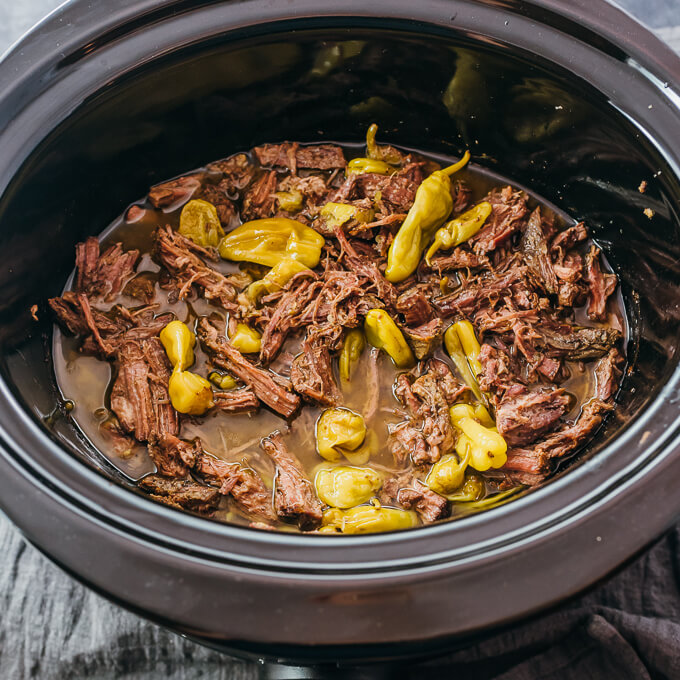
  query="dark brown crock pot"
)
[{"x": 573, "y": 99}]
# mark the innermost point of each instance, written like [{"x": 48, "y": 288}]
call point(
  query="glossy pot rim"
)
[{"x": 578, "y": 503}]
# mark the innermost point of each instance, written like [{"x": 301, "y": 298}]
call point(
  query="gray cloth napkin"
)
[{"x": 53, "y": 628}]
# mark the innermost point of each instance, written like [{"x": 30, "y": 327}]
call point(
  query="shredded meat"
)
[
  {"x": 268, "y": 389},
  {"x": 139, "y": 396},
  {"x": 243, "y": 484},
  {"x": 425, "y": 339},
  {"x": 415, "y": 306},
  {"x": 608, "y": 374},
  {"x": 182, "y": 494},
  {"x": 507, "y": 218},
  {"x": 601, "y": 286},
  {"x": 174, "y": 192},
  {"x": 427, "y": 432},
  {"x": 182, "y": 258},
  {"x": 412, "y": 494},
  {"x": 294, "y": 498},
  {"x": 172, "y": 456},
  {"x": 237, "y": 401},
  {"x": 103, "y": 276},
  {"x": 259, "y": 200},
  {"x": 312, "y": 373},
  {"x": 523, "y": 416},
  {"x": 535, "y": 252},
  {"x": 293, "y": 156}
]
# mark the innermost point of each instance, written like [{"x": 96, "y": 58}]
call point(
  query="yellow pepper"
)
[
  {"x": 245, "y": 339},
  {"x": 339, "y": 429},
  {"x": 336, "y": 214},
  {"x": 189, "y": 393},
  {"x": 447, "y": 474},
  {"x": 179, "y": 343},
  {"x": 387, "y": 154},
  {"x": 432, "y": 205},
  {"x": 359, "y": 166},
  {"x": 483, "y": 416},
  {"x": 224, "y": 382},
  {"x": 199, "y": 222},
  {"x": 484, "y": 446},
  {"x": 276, "y": 278},
  {"x": 290, "y": 201},
  {"x": 361, "y": 455},
  {"x": 352, "y": 347},
  {"x": 383, "y": 333},
  {"x": 367, "y": 519},
  {"x": 453, "y": 340},
  {"x": 270, "y": 240},
  {"x": 472, "y": 489},
  {"x": 346, "y": 487},
  {"x": 460, "y": 229}
]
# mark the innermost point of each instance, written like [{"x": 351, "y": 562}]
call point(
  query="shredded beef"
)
[
  {"x": 534, "y": 248},
  {"x": 174, "y": 192},
  {"x": 579, "y": 342},
  {"x": 243, "y": 484},
  {"x": 608, "y": 374},
  {"x": 507, "y": 218},
  {"x": 259, "y": 200},
  {"x": 425, "y": 339},
  {"x": 182, "y": 258},
  {"x": 415, "y": 306},
  {"x": 601, "y": 286},
  {"x": 237, "y": 401},
  {"x": 237, "y": 172},
  {"x": 139, "y": 396},
  {"x": 312, "y": 373},
  {"x": 103, "y": 276},
  {"x": 412, "y": 494},
  {"x": 292, "y": 156},
  {"x": 270, "y": 389},
  {"x": 523, "y": 416},
  {"x": 172, "y": 456},
  {"x": 295, "y": 498},
  {"x": 498, "y": 372},
  {"x": 427, "y": 433},
  {"x": 180, "y": 493}
]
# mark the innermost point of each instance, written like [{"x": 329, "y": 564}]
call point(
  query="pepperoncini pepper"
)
[
  {"x": 276, "y": 278},
  {"x": 388, "y": 154},
  {"x": 224, "y": 382},
  {"x": 447, "y": 474},
  {"x": 359, "y": 166},
  {"x": 179, "y": 343},
  {"x": 383, "y": 333},
  {"x": 199, "y": 222},
  {"x": 290, "y": 201},
  {"x": 336, "y": 214},
  {"x": 362, "y": 454},
  {"x": 245, "y": 339},
  {"x": 456, "y": 349},
  {"x": 270, "y": 240},
  {"x": 483, "y": 446},
  {"x": 460, "y": 229},
  {"x": 367, "y": 519},
  {"x": 352, "y": 347},
  {"x": 346, "y": 487},
  {"x": 432, "y": 205},
  {"x": 471, "y": 490},
  {"x": 339, "y": 429},
  {"x": 189, "y": 393}
]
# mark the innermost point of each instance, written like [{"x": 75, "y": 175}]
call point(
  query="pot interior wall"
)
[{"x": 527, "y": 121}]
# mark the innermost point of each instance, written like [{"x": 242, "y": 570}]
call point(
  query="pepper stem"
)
[{"x": 457, "y": 166}]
